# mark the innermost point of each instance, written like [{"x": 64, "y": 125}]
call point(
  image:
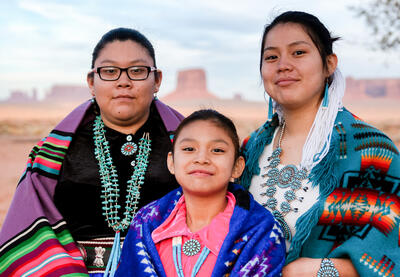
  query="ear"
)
[
  {"x": 158, "y": 80},
  {"x": 90, "y": 82},
  {"x": 331, "y": 64},
  {"x": 238, "y": 167},
  {"x": 170, "y": 163}
]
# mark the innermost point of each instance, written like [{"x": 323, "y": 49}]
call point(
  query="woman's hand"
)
[{"x": 309, "y": 267}]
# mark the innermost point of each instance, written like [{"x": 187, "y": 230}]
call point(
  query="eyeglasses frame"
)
[{"x": 149, "y": 70}]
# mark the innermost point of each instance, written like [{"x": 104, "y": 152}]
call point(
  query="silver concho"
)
[{"x": 191, "y": 247}]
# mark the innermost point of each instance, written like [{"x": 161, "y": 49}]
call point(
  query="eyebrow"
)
[
  {"x": 131, "y": 62},
  {"x": 290, "y": 44},
  {"x": 215, "y": 140}
]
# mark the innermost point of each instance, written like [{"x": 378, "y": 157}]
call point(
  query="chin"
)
[{"x": 123, "y": 115}]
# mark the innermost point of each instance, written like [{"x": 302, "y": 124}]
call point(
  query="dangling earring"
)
[
  {"x": 270, "y": 109},
  {"x": 325, "y": 101},
  {"x": 155, "y": 96},
  {"x": 96, "y": 108}
]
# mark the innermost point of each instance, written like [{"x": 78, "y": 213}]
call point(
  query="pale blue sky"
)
[{"x": 46, "y": 42}]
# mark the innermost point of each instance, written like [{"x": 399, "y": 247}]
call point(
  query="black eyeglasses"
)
[{"x": 135, "y": 73}]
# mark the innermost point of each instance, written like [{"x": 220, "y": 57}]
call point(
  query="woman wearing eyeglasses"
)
[{"x": 86, "y": 180}]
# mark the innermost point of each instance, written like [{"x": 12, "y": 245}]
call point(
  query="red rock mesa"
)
[{"x": 191, "y": 85}]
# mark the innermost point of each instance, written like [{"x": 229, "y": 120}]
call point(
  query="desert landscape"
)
[
  {"x": 24, "y": 119},
  {"x": 22, "y": 125}
]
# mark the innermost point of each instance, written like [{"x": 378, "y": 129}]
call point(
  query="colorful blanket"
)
[
  {"x": 358, "y": 212},
  {"x": 34, "y": 240},
  {"x": 254, "y": 245}
]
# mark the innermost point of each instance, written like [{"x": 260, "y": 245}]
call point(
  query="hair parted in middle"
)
[
  {"x": 214, "y": 117},
  {"x": 317, "y": 31}
]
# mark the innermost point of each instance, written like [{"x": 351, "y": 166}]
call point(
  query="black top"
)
[{"x": 77, "y": 194}]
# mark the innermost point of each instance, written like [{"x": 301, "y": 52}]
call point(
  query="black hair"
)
[
  {"x": 317, "y": 31},
  {"x": 216, "y": 118},
  {"x": 123, "y": 34}
]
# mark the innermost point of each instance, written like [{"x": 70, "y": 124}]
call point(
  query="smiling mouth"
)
[
  {"x": 200, "y": 173},
  {"x": 285, "y": 82},
  {"x": 123, "y": 97}
]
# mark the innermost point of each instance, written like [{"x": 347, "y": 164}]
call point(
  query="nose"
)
[
  {"x": 124, "y": 80},
  {"x": 284, "y": 63},
  {"x": 202, "y": 157}
]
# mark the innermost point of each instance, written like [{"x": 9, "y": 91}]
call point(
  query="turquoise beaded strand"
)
[{"x": 109, "y": 178}]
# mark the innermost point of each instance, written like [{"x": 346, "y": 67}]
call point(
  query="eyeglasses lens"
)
[{"x": 111, "y": 73}]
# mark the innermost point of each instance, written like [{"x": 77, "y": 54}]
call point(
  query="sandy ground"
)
[
  {"x": 21, "y": 126},
  {"x": 14, "y": 152}
]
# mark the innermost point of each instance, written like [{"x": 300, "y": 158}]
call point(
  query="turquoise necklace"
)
[
  {"x": 289, "y": 178},
  {"x": 177, "y": 256},
  {"x": 110, "y": 186}
]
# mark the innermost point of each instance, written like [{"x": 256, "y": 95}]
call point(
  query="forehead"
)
[
  {"x": 203, "y": 130},
  {"x": 287, "y": 33},
  {"x": 124, "y": 51}
]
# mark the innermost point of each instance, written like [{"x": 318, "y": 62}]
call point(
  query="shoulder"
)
[
  {"x": 258, "y": 231},
  {"x": 250, "y": 207},
  {"x": 167, "y": 111},
  {"x": 363, "y": 134},
  {"x": 354, "y": 123},
  {"x": 362, "y": 141},
  {"x": 159, "y": 209},
  {"x": 254, "y": 144},
  {"x": 169, "y": 116},
  {"x": 263, "y": 133},
  {"x": 253, "y": 147}
]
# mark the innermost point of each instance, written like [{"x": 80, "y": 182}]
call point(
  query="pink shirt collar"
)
[{"x": 211, "y": 236}]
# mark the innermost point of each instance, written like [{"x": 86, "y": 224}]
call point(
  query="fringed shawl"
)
[
  {"x": 34, "y": 239},
  {"x": 357, "y": 215}
]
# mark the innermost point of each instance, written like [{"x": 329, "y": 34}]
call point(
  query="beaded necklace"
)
[
  {"x": 177, "y": 256},
  {"x": 289, "y": 178},
  {"x": 110, "y": 186}
]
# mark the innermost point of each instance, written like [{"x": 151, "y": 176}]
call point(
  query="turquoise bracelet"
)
[{"x": 327, "y": 269}]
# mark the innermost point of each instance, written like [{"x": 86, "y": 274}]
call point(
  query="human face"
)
[
  {"x": 124, "y": 102},
  {"x": 204, "y": 159},
  {"x": 292, "y": 68}
]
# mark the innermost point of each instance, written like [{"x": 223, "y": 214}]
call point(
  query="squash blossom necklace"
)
[
  {"x": 289, "y": 178},
  {"x": 110, "y": 187}
]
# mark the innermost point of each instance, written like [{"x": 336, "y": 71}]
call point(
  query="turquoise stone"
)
[{"x": 109, "y": 178}]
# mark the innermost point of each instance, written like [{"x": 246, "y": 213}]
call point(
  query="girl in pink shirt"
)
[{"x": 212, "y": 229}]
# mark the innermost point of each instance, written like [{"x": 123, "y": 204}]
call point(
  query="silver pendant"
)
[
  {"x": 191, "y": 247},
  {"x": 286, "y": 229},
  {"x": 98, "y": 261}
]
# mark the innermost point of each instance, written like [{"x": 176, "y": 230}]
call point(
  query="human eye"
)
[
  {"x": 218, "y": 150},
  {"x": 136, "y": 70},
  {"x": 299, "y": 52},
  {"x": 270, "y": 57},
  {"x": 109, "y": 71},
  {"x": 188, "y": 149}
]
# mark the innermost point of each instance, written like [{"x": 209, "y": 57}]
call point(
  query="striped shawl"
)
[{"x": 34, "y": 240}]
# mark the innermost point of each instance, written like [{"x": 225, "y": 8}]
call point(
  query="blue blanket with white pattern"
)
[{"x": 254, "y": 245}]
